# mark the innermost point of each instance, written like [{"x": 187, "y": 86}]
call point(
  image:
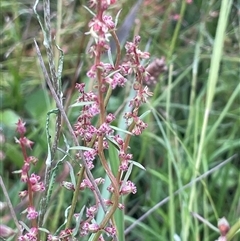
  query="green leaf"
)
[
  {"x": 72, "y": 176},
  {"x": 137, "y": 164},
  {"x": 121, "y": 130},
  {"x": 77, "y": 104},
  {"x": 145, "y": 114},
  {"x": 9, "y": 118},
  {"x": 37, "y": 103},
  {"x": 79, "y": 218},
  {"x": 82, "y": 148}
]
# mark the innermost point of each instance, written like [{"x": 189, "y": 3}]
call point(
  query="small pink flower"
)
[
  {"x": 90, "y": 212},
  {"x": 130, "y": 47},
  {"x": 90, "y": 155},
  {"x": 137, "y": 39},
  {"x": 94, "y": 109},
  {"x": 34, "y": 178},
  {"x": 90, "y": 164},
  {"x": 125, "y": 158},
  {"x": 128, "y": 187},
  {"x": 23, "y": 194},
  {"x": 110, "y": 189},
  {"x": 110, "y": 81},
  {"x": 92, "y": 72},
  {"x": 32, "y": 160},
  {"x": 99, "y": 181},
  {"x": 68, "y": 185},
  {"x": 24, "y": 176},
  {"x": 52, "y": 238},
  {"x": 106, "y": 3},
  {"x": 31, "y": 236},
  {"x": 111, "y": 231},
  {"x": 85, "y": 226},
  {"x": 33, "y": 232},
  {"x": 110, "y": 117},
  {"x": 104, "y": 129},
  {"x": 101, "y": 238},
  {"x": 80, "y": 87},
  {"x": 119, "y": 79},
  {"x": 125, "y": 68},
  {"x": 124, "y": 165},
  {"x": 95, "y": 25},
  {"x": 121, "y": 206},
  {"x": 223, "y": 226},
  {"x": 26, "y": 167},
  {"x": 65, "y": 233},
  {"x": 93, "y": 227},
  {"x": 21, "y": 129},
  {"x": 176, "y": 17},
  {"x": 106, "y": 67},
  {"x": 85, "y": 184},
  {"x": 105, "y": 144},
  {"x": 26, "y": 142},
  {"x": 32, "y": 213},
  {"x": 38, "y": 187},
  {"x": 119, "y": 140},
  {"x": 108, "y": 202},
  {"x": 108, "y": 21},
  {"x": 142, "y": 55}
]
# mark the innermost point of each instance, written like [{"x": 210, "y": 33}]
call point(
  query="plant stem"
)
[
  {"x": 63, "y": 113},
  {"x": 176, "y": 31}
]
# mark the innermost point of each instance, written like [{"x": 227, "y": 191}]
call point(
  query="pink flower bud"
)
[
  {"x": 223, "y": 226},
  {"x": 68, "y": 185},
  {"x": 128, "y": 187},
  {"x": 23, "y": 194},
  {"x": 24, "y": 176},
  {"x": 38, "y": 187},
  {"x": 111, "y": 231},
  {"x": 26, "y": 142},
  {"x": 34, "y": 179},
  {"x": 21, "y": 129},
  {"x": 121, "y": 206},
  {"x": 32, "y": 159},
  {"x": 32, "y": 213}
]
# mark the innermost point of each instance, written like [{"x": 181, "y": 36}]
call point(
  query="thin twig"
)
[{"x": 206, "y": 222}]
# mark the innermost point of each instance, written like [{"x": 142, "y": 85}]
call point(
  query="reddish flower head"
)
[{"x": 21, "y": 129}]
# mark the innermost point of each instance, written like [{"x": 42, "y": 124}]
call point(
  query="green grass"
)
[{"x": 194, "y": 123}]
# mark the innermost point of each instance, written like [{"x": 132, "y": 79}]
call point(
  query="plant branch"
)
[{"x": 63, "y": 113}]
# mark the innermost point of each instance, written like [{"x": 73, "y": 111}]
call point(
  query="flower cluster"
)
[
  {"x": 126, "y": 188},
  {"x": 100, "y": 26},
  {"x": 94, "y": 129},
  {"x": 33, "y": 181},
  {"x": 96, "y": 137},
  {"x": 31, "y": 235},
  {"x": 64, "y": 235}
]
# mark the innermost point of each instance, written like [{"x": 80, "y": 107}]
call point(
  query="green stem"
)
[
  {"x": 75, "y": 197},
  {"x": 234, "y": 230},
  {"x": 170, "y": 160},
  {"x": 211, "y": 89},
  {"x": 176, "y": 31}
]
